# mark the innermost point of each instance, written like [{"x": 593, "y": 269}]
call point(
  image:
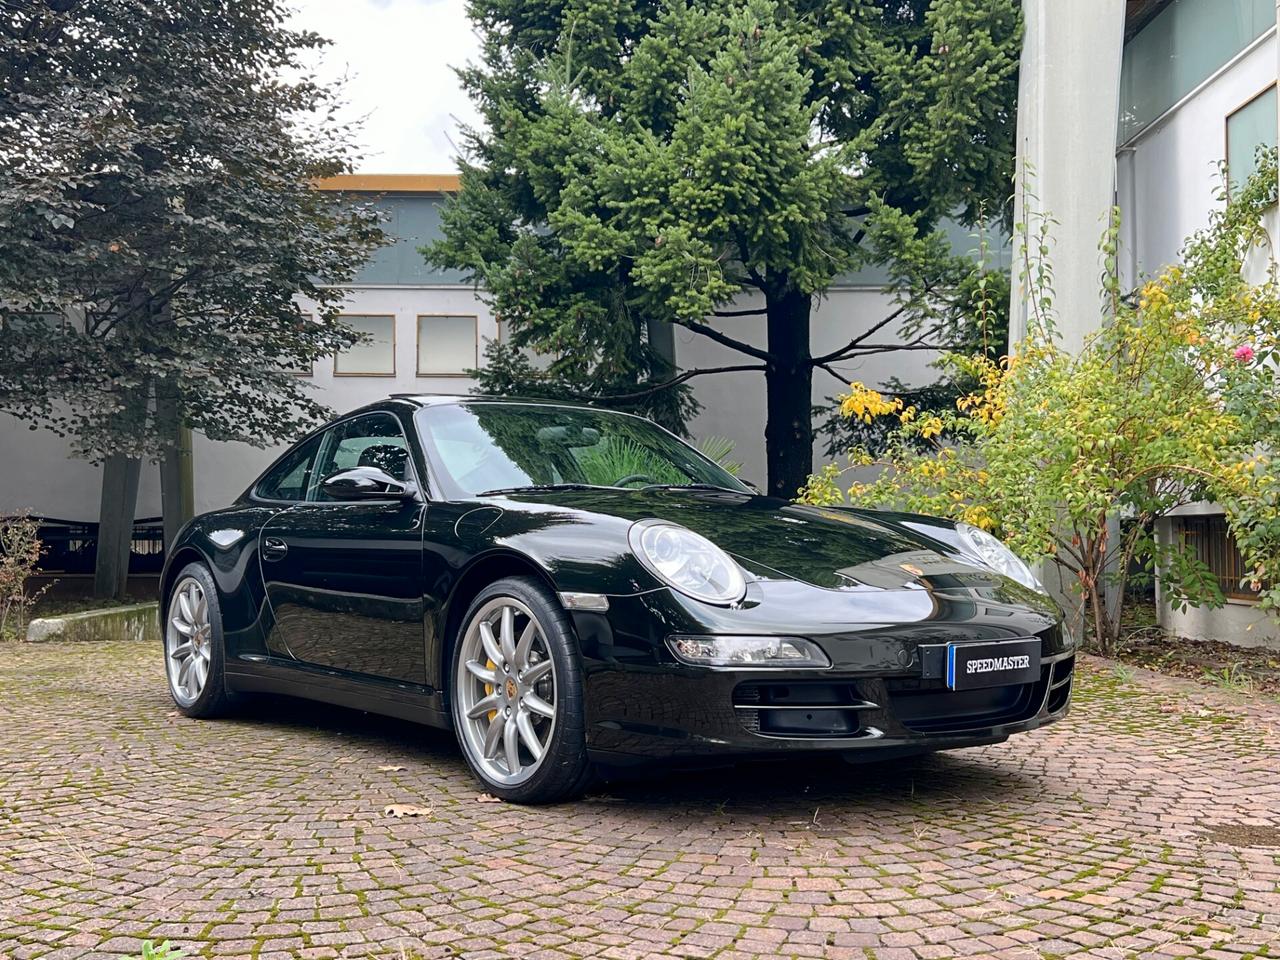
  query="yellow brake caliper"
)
[{"x": 489, "y": 688}]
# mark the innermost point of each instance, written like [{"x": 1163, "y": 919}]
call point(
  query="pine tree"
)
[{"x": 655, "y": 164}]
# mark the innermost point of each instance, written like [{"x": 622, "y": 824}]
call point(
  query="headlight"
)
[
  {"x": 991, "y": 553},
  {"x": 748, "y": 652},
  {"x": 688, "y": 562}
]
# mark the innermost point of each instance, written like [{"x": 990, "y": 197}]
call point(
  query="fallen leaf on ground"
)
[
  {"x": 405, "y": 810},
  {"x": 345, "y": 760},
  {"x": 390, "y": 768},
  {"x": 487, "y": 798}
]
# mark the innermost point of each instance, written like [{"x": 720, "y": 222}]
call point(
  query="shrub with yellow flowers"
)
[{"x": 1176, "y": 399}]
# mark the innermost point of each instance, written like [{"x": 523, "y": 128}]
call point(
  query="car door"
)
[{"x": 344, "y": 579}]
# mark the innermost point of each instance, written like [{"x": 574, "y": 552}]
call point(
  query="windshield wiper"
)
[
  {"x": 689, "y": 486},
  {"x": 541, "y": 488}
]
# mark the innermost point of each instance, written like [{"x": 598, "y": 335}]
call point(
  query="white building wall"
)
[
  {"x": 1240, "y": 622},
  {"x": 1169, "y": 176},
  {"x": 223, "y": 470},
  {"x": 1068, "y": 95},
  {"x": 1169, "y": 181},
  {"x": 39, "y": 474}
]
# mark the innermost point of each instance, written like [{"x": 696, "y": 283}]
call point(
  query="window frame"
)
[
  {"x": 1195, "y": 532},
  {"x": 394, "y": 318},
  {"x": 475, "y": 344},
  {"x": 1226, "y": 128}
]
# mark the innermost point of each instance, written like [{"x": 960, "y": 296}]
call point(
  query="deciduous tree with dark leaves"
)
[
  {"x": 158, "y": 217},
  {"x": 647, "y": 165}
]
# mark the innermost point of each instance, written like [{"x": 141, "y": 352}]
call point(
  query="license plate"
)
[{"x": 972, "y": 666}]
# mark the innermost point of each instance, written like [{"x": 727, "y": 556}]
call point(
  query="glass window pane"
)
[
  {"x": 1250, "y": 127},
  {"x": 375, "y": 440},
  {"x": 288, "y": 480},
  {"x": 1179, "y": 49},
  {"x": 492, "y": 445},
  {"x": 374, "y": 357},
  {"x": 446, "y": 345}
]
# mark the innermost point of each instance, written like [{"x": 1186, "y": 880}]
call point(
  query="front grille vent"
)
[
  {"x": 1060, "y": 684},
  {"x": 804, "y": 709}
]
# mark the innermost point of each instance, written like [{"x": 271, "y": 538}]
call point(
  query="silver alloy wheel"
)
[
  {"x": 506, "y": 691},
  {"x": 188, "y": 641}
]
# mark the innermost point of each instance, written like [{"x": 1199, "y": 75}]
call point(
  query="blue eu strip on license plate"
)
[{"x": 973, "y": 666}]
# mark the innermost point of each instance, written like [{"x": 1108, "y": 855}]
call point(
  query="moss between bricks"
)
[{"x": 135, "y": 622}]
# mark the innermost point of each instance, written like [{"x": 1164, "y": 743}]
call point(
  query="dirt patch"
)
[
  {"x": 1208, "y": 661},
  {"x": 1243, "y": 835}
]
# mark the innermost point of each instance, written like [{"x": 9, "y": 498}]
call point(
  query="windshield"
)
[{"x": 487, "y": 447}]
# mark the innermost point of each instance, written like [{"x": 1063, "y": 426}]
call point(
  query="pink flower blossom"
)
[{"x": 1244, "y": 353}]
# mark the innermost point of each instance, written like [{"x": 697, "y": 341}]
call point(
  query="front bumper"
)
[{"x": 883, "y": 695}]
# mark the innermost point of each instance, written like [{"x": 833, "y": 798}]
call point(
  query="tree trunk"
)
[
  {"x": 115, "y": 525},
  {"x": 788, "y": 432},
  {"x": 177, "y": 487}
]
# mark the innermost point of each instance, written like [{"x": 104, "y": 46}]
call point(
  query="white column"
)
[{"x": 1068, "y": 105}]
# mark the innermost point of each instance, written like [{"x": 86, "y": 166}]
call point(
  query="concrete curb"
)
[{"x": 135, "y": 622}]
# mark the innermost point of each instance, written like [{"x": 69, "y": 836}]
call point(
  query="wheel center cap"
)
[{"x": 512, "y": 691}]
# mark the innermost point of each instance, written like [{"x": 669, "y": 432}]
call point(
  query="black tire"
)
[
  {"x": 564, "y": 770},
  {"x": 214, "y": 698}
]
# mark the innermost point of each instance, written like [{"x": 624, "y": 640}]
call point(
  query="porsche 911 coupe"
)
[{"x": 568, "y": 588}]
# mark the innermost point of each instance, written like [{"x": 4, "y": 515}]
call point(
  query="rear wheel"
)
[
  {"x": 517, "y": 695},
  {"x": 194, "y": 654}
]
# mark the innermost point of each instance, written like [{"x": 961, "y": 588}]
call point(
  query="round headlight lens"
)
[
  {"x": 688, "y": 562},
  {"x": 991, "y": 553}
]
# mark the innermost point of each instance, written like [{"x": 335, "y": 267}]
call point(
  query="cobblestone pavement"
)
[{"x": 1147, "y": 824}]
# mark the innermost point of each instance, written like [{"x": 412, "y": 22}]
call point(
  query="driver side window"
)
[
  {"x": 290, "y": 479},
  {"x": 372, "y": 440}
]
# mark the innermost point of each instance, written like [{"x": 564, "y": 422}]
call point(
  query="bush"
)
[
  {"x": 1174, "y": 400},
  {"x": 20, "y": 550}
]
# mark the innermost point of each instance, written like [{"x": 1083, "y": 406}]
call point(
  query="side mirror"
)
[{"x": 366, "y": 483}]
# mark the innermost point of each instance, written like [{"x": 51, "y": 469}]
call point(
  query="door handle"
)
[{"x": 273, "y": 548}]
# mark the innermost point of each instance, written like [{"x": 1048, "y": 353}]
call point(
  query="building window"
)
[
  {"x": 1181, "y": 47},
  {"x": 448, "y": 345},
  {"x": 1210, "y": 541},
  {"x": 1248, "y": 128},
  {"x": 374, "y": 357}
]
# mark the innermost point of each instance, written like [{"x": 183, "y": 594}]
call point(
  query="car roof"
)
[{"x": 444, "y": 399}]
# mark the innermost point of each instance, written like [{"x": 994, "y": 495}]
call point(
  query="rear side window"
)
[{"x": 291, "y": 477}]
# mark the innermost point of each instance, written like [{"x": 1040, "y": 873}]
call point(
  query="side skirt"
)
[{"x": 406, "y": 701}]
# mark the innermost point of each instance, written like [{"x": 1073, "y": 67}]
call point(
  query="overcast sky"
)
[{"x": 396, "y": 56}]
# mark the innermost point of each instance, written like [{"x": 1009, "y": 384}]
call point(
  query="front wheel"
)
[
  {"x": 517, "y": 695},
  {"x": 194, "y": 655}
]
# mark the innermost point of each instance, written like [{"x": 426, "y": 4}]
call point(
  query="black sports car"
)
[{"x": 567, "y": 587}]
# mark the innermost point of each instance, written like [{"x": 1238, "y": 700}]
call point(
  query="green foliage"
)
[
  {"x": 1175, "y": 400},
  {"x": 162, "y": 951},
  {"x": 508, "y": 372},
  {"x": 617, "y": 458},
  {"x": 658, "y": 163},
  {"x": 160, "y": 218},
  {"x": 720, "y": 450},
  {"x": 1233, "y": 676}
]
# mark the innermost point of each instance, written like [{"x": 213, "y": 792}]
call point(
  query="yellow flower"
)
[{"x": 865, "y": 404}]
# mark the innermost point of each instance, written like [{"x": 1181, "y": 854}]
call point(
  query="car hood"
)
[{"x": 834, "y": 548}]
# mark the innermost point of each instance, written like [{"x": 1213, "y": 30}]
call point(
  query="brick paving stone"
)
[{"x": 262, "y": 835}]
